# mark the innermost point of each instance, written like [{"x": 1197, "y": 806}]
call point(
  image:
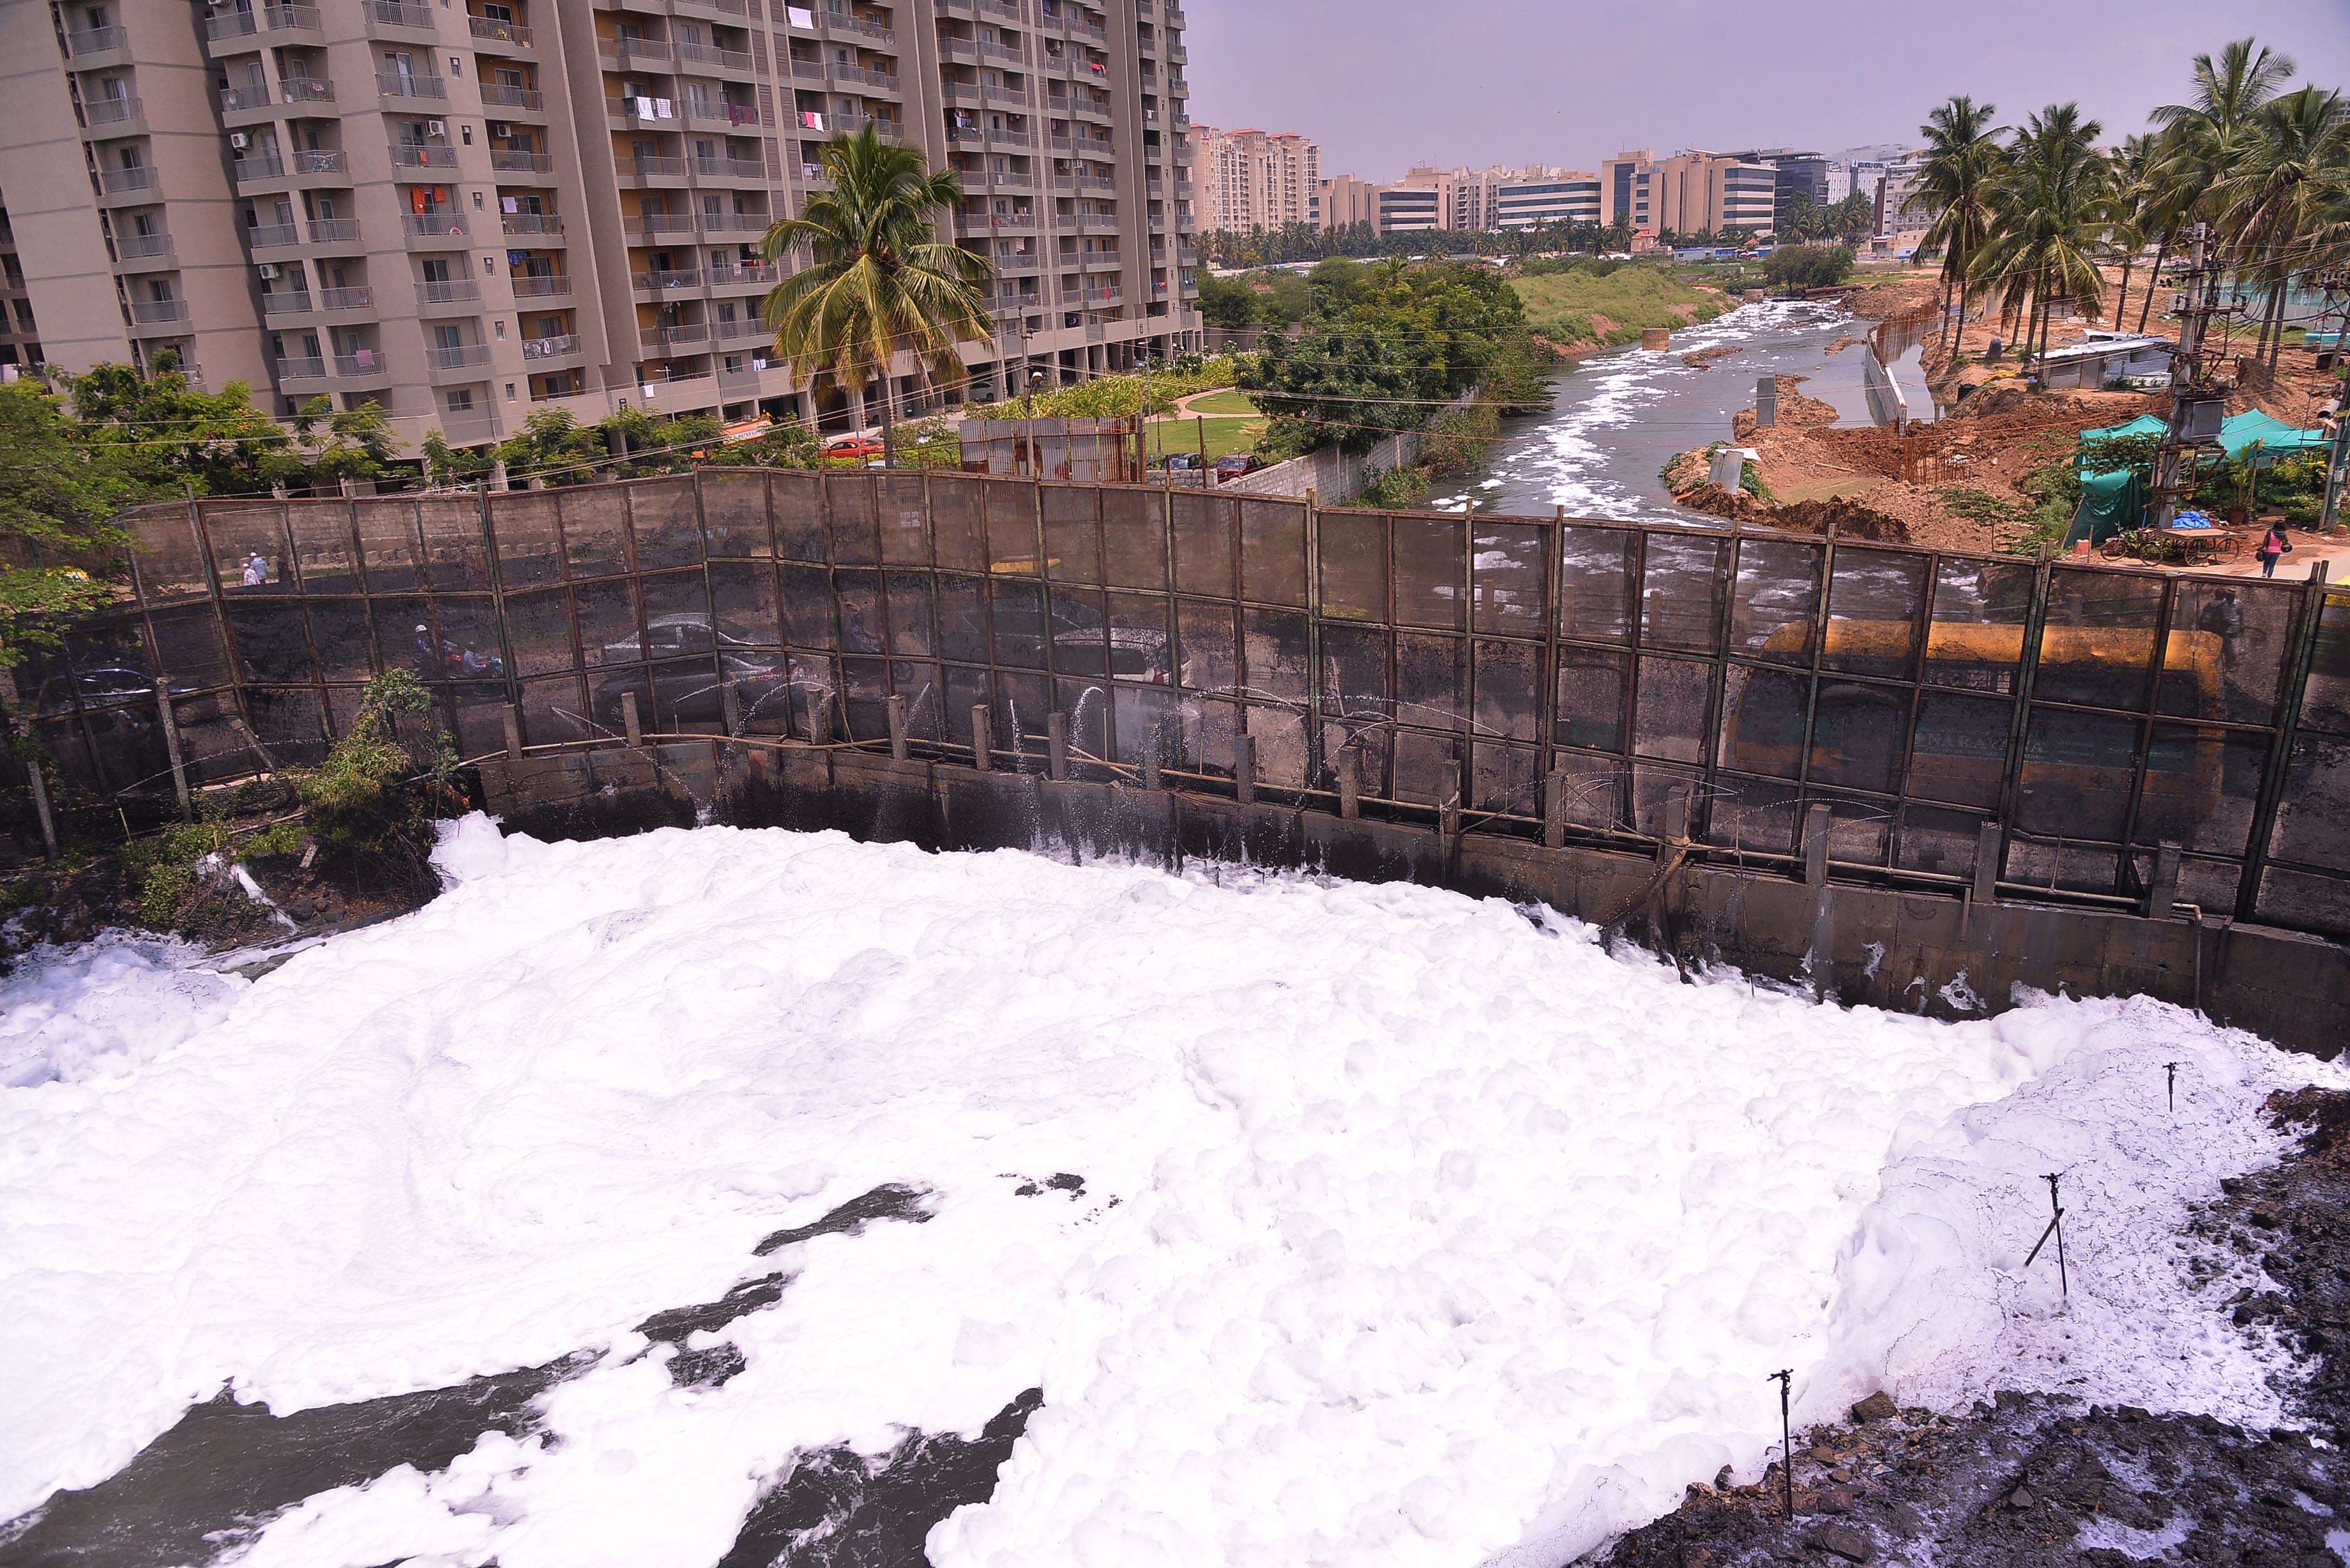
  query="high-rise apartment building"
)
[
  {"x": 1252, "y": 179},
  {"x": 1347, "y": 201},
  {"x": 472, "y": 211}
]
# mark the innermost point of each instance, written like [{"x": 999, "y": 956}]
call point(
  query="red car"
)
[
  {"x": 1233, "y": 464},
  {"x": 855, "y": 447}
]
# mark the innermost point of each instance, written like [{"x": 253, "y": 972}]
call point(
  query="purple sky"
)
[{"x": 1385, "y": 84}]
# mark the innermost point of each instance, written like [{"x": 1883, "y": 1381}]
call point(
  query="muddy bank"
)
[{"x": 2036, "y": 1480}]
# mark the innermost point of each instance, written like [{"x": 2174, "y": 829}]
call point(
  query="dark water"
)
[{"x": 1622, "y": 416}]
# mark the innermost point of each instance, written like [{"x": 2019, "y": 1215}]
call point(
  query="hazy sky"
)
[{"x": 1385, "y": 84}]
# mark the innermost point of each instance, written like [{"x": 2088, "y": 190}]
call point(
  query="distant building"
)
[
  {"x": 1253, "y": 180},
  {"x": 1903, "y": 213},
  {"x": 1409, "y": 208},
  {"x": 1697, "y": 193},
  {"x": 1346, "y": 200},
  {"x": 1546, "y": 196},
  {"x": 1794, "y": 175},
  {"x": 1626, "y": 193}
]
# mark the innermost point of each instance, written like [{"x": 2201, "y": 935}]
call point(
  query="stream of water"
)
[{"x": 1621, "y": 416}]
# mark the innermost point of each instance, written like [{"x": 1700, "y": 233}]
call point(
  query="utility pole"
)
[
  {"x": 2337, "y": 468},
  {"x": 2197, "y": 402}
]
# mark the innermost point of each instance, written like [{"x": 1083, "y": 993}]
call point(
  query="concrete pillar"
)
[
  {"x": 897, "y": 729},
  {"x": 1350, "y": 784},
  {"x": 820, "y": 718},
  {"x": 512, "y": 717},
  {"x": 982, "y": 738},
  {"x": 1815, "y": 845},
  {"x": 629, "y": 720},
  {"x": 1767, "y": 401},
  {"x": 2164, "y": 895},
  {"x": 730, "y": 706},
  {"x": 1057, "y": 746},
  {"x": 167, "y": 718},
  {"x": 1987, "y": 847},
  {"x": 1553, "y": 807},
  {"x": 1245, "y": 767}
]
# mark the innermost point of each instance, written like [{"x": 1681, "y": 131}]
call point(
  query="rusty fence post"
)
[
  {"x": 1245, "y": 767},
  {"x": 898, "y": 729},
  {"x": 1816, "y": 844},
  {"x": 982, "y": 738},
  {"x": 512, "y": 717},
  {"x": 1057, "y": 746},
  {"x": 1554, "y": 809},
  {"x": 170, "y": 727},
  {"x": 629, "y": 721},
  {"x": 1351, "y": 786},
  {"x": 1986, "y": 884}
]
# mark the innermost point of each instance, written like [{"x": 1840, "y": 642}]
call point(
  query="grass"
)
[
  {"x": 1560, "y": 306},
  {"x": 1224, "y": 403},
  {"x": 1225, "y": 435}
]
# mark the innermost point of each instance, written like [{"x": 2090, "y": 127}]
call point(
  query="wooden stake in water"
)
[
  {"x": 1786, "y": 1377},
  {"x": 2170, "y": 1071}
]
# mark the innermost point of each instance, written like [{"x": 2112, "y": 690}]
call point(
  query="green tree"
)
[
  {"x": 174, "y": 438},
  {"x": 878, "y": 283},
  {"x": 58, "y": 498},
  {"x": 332, "y": 445},
  {"x": 1963, "y": 165},
  {"x": 1807, "y": 267},
  {"x": 2279, "y": 196},
  {"x": 553, "y": 448}
]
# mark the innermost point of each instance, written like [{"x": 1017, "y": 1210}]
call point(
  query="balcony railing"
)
[
  {"x": 406, "y": 84},
  {"x": 334, "y": 230},
  {"x": 490, "y": 30},
  {"x": 551, "y": 347},
  {"x": 423, "y": 225},
  {"x": 156, "y": 312},
  {"x": 361, "y": 362},
  {"x": 643, "y": 110},
  {"x": 734, "y": 223},
  {"x": 662, "y": 223},
  {"x": 726, "y": 8},
  {"x": 109, "y": 110},
  {"x": 134, "y": 247},
  {"x": 532, "y": 223},
  {"x": 650, "y": 166},
  {"x": 640, "y": 48},
  {"x": 506, "y": 161},
  {"x": 549, "y": 287},
  {"x": 457, "y": 356},
  {"x": 741, "y": 274},
  {"x": 115, "y": 182},
  {"x": 305, "y": 89},
  {"x": 448, "y": 291},
  {"x": 301, "y": 367},
  {"x": 394, "y": 13},
  {"x": 661, "y": 282},
  {"x": 266, "y": 236},
  {"x": 730, "y": 167},
  {"x": 358, "y": 298},
  {"x": 269, "y": 168},
  {"x": 94, "y": 41},
  {"x": 417, "y": 155},
  {"x": 287, "y": 302},
  {"x": 505, "y": 97},
  {"x": 741, "y": 327},
  {"x": 664, "y": 339},
  {"x": 708, "y": 55},
  {"x": 718, "y": 111}
]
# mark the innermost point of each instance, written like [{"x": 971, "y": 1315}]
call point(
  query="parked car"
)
[
  {"x": 118, "y": 705},
  {"x": 856, "y": 447},
  {"x": 1181, "y": 462},
  {"x": 1231, "y": 465},
  {"x": 681, "y": 687}
]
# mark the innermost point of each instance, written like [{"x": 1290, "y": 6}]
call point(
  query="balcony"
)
[
  {"x": 420, "y": 155},
  {"x": 334, "y": 230},
  {"x": 744, "y": 274},
  {"x": 559, "y": 345},
  {"x": 456, "y": 357},
  {"x": 540, "y": 286},
  {"x": 159, "y": 312},
  {"x": 718, "y": 111},
  {"x": 738, "y": 378},
  {"x": 126, "y": 182},
  {"x": 294, "y": 367},
  {"x": 988, "y": 48},
  {"x": 305, "y": 89},
  {"x": 669, "y": 339},
  {"x": 638, "y": 110},
  {"x": 651, "y": 226},
  {"x": 506, "y": 161},
  {"x": 272, "y": 236},
  {"x": 842, "y": 24},
  {"x": 862, "y": 76},
  {"x": 98, "y": 112},
  {"x": 360, "y": 365},
  {"x": 531, "y": 222},
  {"x": 653, "y": 49},
  {"x": 287, "y": 302},
  {"x": 489, "y": 34},
  {"x": 434, "y": 225},
  {"x": 396, "y": 14},
  {"x": 713, "y": 57},
  {"x": 359, "y": 298},
  {"x": 142, "y": 247},
  {"x": 666, "y": 282},
  {"x": 651, "y": 166},
  {"x": 734, "y": 223},
  {"x": 231, "y": 25},
  {"x": 91, "y": 42},
  {"x": 730, "y": 169},
  {"x": 734, "y": 329},
  {"x": 498, "y": 94},
  {"x": 434, "y": 293},
  {"x": 406, "y": 84},
  {"x": 724, "y": 7}
]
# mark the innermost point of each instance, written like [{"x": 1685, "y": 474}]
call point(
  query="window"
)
[{"x": 460, "y": 402}]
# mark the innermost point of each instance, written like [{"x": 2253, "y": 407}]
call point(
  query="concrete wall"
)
[{"x": 1946, "y": 957}]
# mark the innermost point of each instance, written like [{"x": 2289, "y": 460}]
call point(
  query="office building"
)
[
  {"x": 1535, "y": 197},
  {"x": 1411, "y": 208},
  {"x": 1626, "y": 194},
  {"x": 471, "y": 211},
  {"x": 1795, "y": 176},
  {"x": 1252, "y": 179},
  {"x": 1347, "y": 201}
]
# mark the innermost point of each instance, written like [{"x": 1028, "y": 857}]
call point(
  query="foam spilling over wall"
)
[{"x": 1412, "y": 1229}]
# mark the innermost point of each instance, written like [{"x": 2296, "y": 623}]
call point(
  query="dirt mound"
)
[
  {"x": 1841, "y": 515},
  {"x": 1704, "y": 356}
]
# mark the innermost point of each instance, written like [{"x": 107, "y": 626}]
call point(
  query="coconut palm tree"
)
[
  {"x": 1962, "y": 165},
  {"x": 2279, "y": 194},
  {"x": 2137, "y": 164},
  {"x": 2053, "y": 211},
  {"x": 877, "y": 280},
  {"x": 2211, "y": 133}
]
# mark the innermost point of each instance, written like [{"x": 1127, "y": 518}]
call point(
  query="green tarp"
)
[
  {"x": 2111, "y": 504},
  {"x": 2143, "y": 425},
  {"x": 2274, "y": 437}
]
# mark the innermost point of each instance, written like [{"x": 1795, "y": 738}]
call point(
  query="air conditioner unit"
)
[
  {"x": 269, "y": 270},
  {"x": 500, "y": 128},
  {"x": 439, "y": 128}
]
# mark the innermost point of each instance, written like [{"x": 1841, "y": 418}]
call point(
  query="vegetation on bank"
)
[
  {"x": 1581, "y": 303},
  {"x": 1387, "y": 349},
  {"x": 1121, "y": 396}
]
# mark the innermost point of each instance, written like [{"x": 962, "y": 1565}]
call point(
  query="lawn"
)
[
  {"x": 1230, "y": 433},
  {"x": 1562, "y": 305},
  {"x": 1227, "y": 403}
]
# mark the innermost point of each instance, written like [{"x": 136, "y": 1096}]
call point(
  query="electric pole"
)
[{"x": 2197, "y": 402}]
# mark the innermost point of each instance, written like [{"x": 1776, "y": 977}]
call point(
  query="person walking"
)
[{"x": 2274, "y": 544}]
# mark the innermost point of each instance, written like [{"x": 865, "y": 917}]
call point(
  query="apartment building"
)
[
  {"x": 1347, "y": 201},
  {"x": 1252, "y": 179},
  {"x": 1688, "y": 194},
  {"x": 469, "y": 212}
]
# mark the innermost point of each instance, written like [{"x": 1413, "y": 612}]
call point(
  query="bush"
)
[
  {"x": 375, "y": 800},
  {"x": 1394, "y": 489},
  {"x": 1120, "y": 397},
  {"x": 1807, "y": 267}
]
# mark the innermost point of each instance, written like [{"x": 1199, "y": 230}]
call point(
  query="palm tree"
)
[
  {"x": 2136, "y": 164},
  {"x": 879, "y": 281},
  {"x": 1963, "y": 160},
  {"x": 2053, "y": 207},
  {"x": 2280, "y": 193},
  {"x": 2211, "y": 132}
]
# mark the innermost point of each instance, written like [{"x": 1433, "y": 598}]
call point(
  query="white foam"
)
[{"x": 1414, "y": 1230}]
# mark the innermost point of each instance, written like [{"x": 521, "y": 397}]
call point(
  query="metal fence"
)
[{"x": 1718, "y": 682}]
